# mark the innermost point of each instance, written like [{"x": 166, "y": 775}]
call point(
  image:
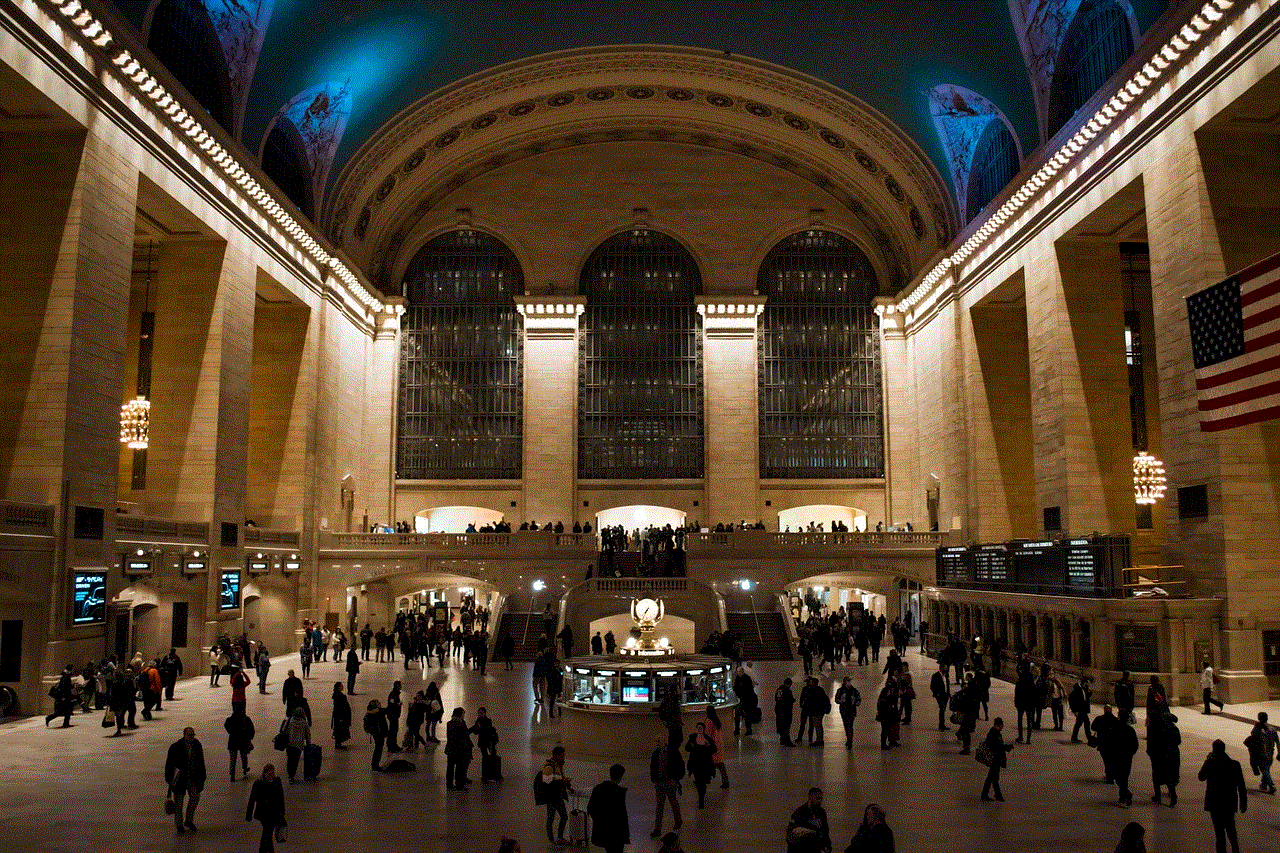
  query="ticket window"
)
[
  {"x": 695, "y": 686},
  {"x": 580, "y": 688},
  {"x": 604, "y": 689},
  {"x": 637, "y": 690},
  {"x": 667, "y": 685},
  {"x": 718, "y": 685}
]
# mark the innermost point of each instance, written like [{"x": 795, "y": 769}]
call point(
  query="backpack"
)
[
  {"x": 400, "y": 765},
  {"x": 539, "y": 789}
]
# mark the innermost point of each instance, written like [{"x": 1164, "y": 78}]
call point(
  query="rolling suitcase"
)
[
  {"x": 491, "y": 768},
  {"x": 579, "y": 824},
  {"x": 311, "y": 759}
]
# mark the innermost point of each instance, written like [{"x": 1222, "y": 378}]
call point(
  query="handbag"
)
[
  {"x": 983, "y": 755},
  {"x": 169, "y": 805},
  {"x": 282, "y": 832},
  {"x": 957, "y": 718},
  {"x": 281, "y": 740},
  {"x": 108, "y": 719}
]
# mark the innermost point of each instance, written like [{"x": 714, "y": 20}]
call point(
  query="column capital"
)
[
  {"x": 730, "y": 316},
  {"x": 386, "y": 323},
  {"x": 550, "y": 316}
]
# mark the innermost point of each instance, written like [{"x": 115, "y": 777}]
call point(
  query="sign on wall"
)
[
  {"x": 88, "y": 597},
  {"x": 229, "y": 598}
]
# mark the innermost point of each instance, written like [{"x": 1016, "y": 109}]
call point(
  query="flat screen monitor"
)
[
  {"x": 88, "y": 598},
  {"x": 635, "y": 693}
]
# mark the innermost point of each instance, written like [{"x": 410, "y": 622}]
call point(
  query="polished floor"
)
[{"x": 77, "y": 789}]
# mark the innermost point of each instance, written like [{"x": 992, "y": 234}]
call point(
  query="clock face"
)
[{"x": 647, "y": 610}]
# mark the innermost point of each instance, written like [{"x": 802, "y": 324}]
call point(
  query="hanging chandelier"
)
[
  {"x": 1148, "y": 478},
  {"x": 135, "y": 423}
]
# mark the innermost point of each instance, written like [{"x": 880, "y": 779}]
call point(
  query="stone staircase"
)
[
  {"x": 764, "y": 635},
  {"x": 525, "y": 629}
]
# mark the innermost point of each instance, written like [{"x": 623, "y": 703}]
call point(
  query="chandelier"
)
[
  {"x": 1148, "y": 478},
  {"x": 135, "y": 423}
]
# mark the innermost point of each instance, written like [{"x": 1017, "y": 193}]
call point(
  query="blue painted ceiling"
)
[{"x": 889, "y": 53}]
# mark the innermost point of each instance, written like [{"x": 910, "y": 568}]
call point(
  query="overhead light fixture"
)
[
  {"x": 1148, "y": 478},
  {"x": 135, "y": 423}
]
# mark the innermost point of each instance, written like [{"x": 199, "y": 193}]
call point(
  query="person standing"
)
[
  {"x": 239, "y": 740},
  {"x": 122, "y": 700},
  {"x": 304, "y": 652},
  {"x": 1124, "y": 745},
  {"x": 666, "y": 769},
  {"x": 1164, "y": 743},
  {"x": 1104, "y": 732},
  {"x": 218, "y": 660},
  {"x": 1123, "y": 693},
  {"x": 458, "y": 751},
  {"x": 887, "y": 715},
  {"x": 413, "y": 720},
  {"x": 298, "y": 732},
  {"x": 806, "y": 702},
  {"x": 874, "y": 834},
  {"x": 1223, "y": 790},
  {"x": 1208, "y": 678},
  {"x": 607, "y": 808},
  {"x": 394, "y": 707},
  {"x": 1078, "y": 703},
  {"x": 239, "y": 681},
  {"x": 506, "y": 648},
  {"x": 353, "y": 667},
  {"x": 1026, "y": 698},
  {"x": 906, "y": 692},
  {"x": 597, "y": 644},
  {"x": 566, "y": 640},
  {"x": 808, "y": 830},
  {"x": 170, "y": 672},
  {"x": 263, "y": 666},
  {"x": 783, "y": 702},
  {"x": 999, "y": 759},
  {"x": 340, "y": 721},
  {"x": 981, "y": 688},
  {"x": 715, "y": 732},
  {"x": 375, "y": 725},
  {"x": 702, "y": 768},
  {"x": 555, "y": 787},
  {"x": 847, "y": 699},
  {"x": 487, "y": 742},
  {"x": 266, "y": 803},
  {"x": 435, "y": 711},
  {"x": 184, "y": 773},
  {"x": 1262, "y": 744},
  {"x": 366, "y": 635},
  {"x": 748, "y": 702},
  {"x": 967, "y": 706},
  {"x": 941, "y": 695}
]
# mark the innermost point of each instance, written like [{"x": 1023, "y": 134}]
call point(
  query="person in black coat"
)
[
  {"x": 607, "y": 808},
  {"x": 1123, "y": 745},
  {"x": 1223, "y": 789},
  {"x": 291, "y": 693},
  {"x": 783, "y": 702},
  {"x": 341, "y": 719},
  {"x": 999, "y": 759},
  {"x": 375, "y": 724},
  {"x": 458, "y": 751},
  {"x": 239, "y": 740},
  {"x": 873, "y": 835},
  {"x": 353, "y": 667},
  {"x": 701, "y": 763},
  {"x": 184, "y": 773},
  {"x": 1164, "y": 743},
  {"x": 745, "y": 689},
  {"x": 941, "y": 695},
  {"x": 266, "y": 803}
]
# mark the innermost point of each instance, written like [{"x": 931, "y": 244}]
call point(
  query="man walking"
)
[
  {"x": 607, "y": 808},
  {"x": 184, "y": 773},
  {"x": 666, "y": 769},
  {"x": 783, "y": 702},
  {"x": 1208, "y": 678},
  {"x": 1262, "y": 744},
  {"x": 938, "y": 687},
  {"x": 1223, "y": 789},
  {"x": 999, "y": 758}
]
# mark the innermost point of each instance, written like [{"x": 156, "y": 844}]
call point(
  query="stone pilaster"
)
[{"x": 380, "y": 411}]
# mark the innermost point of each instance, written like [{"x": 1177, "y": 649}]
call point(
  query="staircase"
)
[
  {"x": 525, "y": 629},
  {"x": 629, "y": 563},
  {"x": 764, "y": 635}
]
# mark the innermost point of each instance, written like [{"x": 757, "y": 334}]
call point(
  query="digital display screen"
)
[
  {"x": 88, "y": 598},
  {"x": 229, "y": 597},
  {"x": 635, "y": 691}
]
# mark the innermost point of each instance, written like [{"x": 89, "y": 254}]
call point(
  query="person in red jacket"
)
[{"x": 239, "y": 681}]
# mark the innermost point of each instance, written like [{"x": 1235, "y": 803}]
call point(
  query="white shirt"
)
[{"x": 1206, "y": 677}]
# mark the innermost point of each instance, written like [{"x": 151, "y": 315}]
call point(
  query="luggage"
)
[
  {"x": 281, "y": 740},
  {"x": 400, "y": 765},
  {"x": 579, "y": 831},
  {"x": 312, "y": 757},
  {"x": 491, "y": 768}
]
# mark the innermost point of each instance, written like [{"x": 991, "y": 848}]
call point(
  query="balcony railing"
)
[
  {"x": 26, "y": 519},
  {"x": 765, "y": 540},
  {"x": 524, "y": 539},
  {"x": 640, "y": 584}
]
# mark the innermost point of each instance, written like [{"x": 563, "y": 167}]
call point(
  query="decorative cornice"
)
[
  {"x": 550, "y": 317},
  {"x": 1134, "y": 97},
  {"x": 729, "y": 316}
]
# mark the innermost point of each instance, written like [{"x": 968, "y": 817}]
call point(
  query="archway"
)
[
  {"x": 454, "y": 519},
  {"x": 799, "y": 518},
  {"x": 639, "y": 517}
]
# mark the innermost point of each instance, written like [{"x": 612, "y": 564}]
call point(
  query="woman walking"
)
[
  {"x": 266, "y": 803},
  {"x": 298, "y": 731},
  {"x": 713, "y": 731},
  {"x": 702, "y": 766}
]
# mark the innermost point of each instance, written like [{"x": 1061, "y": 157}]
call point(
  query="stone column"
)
[
  {"x": 901, "y": 455},
  {"x": 731, "y": 413},
  {"x": 380, "y": 411},
  {"x": 550, "y": 459}
]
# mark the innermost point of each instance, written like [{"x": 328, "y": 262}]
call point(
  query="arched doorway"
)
[
  {"x": 678, "y": 630},
  {"x": 639, "y": 517},
  {"x": 797, "y": 519},
  {"x": 454, "y": 519}
]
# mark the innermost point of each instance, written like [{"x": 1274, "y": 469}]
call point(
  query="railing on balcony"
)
[
  {"x": 26, "y": 519},
  {"x": 147, "y": 528},
  {"x": 763, "y": 538},
  {"x": 538, "y": 538},
  {"x": 639, "y": 585},
  {"x": 267, "y": 536}
]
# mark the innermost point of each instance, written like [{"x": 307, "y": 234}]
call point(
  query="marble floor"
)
[{"x": 77, "y": 789}]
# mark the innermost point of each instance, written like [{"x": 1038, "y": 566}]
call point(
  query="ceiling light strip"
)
[
  {"x": 1143, "y": 79},
  {"x": 93, "y": 29}
]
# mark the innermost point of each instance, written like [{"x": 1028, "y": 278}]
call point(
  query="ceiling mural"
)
[
  {"x": 961, "y": 116},
  {"x": 320, "y": 115}
]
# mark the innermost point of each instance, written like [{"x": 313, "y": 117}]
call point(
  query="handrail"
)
[
  {"x": 555, "y": 540},
  {"x": 661, "y": 584}
]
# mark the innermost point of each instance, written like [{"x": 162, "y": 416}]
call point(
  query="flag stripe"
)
[
  {"x": 1261, "y": 268},
  {"x": 1251, "y": 416},
  {"x": 1263, "y": 341},
  {"x": 1257, "y": 294},
  {"x": 1243, "y": 372},
  {"x": 1254, "y": 352},
  {"x": 1261, "y": 317},
  {"x": 1243, "y": 396}
]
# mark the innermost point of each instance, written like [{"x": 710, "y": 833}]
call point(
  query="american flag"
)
[{"x": 1235, "y": 343}]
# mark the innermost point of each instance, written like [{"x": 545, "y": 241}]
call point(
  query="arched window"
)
[
  {"x": 1097, "y": 43},
  {"x": 820, "y": 403},
  {"x": 640, "y": 367},
  {"x": 995, "y": 162},
  {"x": 284, "y": 159},
  {"x": 183, "y": 38},
  {"x": 459, "y": 407}
]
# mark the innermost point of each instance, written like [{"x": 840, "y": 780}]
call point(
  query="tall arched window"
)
[
  {"x": 284, "y": 159},
  {"x": 459, "y": 406},
  {"x": 820, "y": 402},
  {"x": 995, "y": 162},
  {"x": 640, "y": 368},
  {"x": 183, "y": 38},
  {"x": 1097, "y": 43}
]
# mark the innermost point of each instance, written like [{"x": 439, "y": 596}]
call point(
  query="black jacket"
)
[
  {"x": 183, "y": 772},
  {"x": 341, "y": 711},
  {"x": 1223, "y": 785},
  {"x": 239, "y": 732},
  {"x": 938, "y": 687},
  {"x": 607, "y": 807},
  {"x": 266, "y": 802}
]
